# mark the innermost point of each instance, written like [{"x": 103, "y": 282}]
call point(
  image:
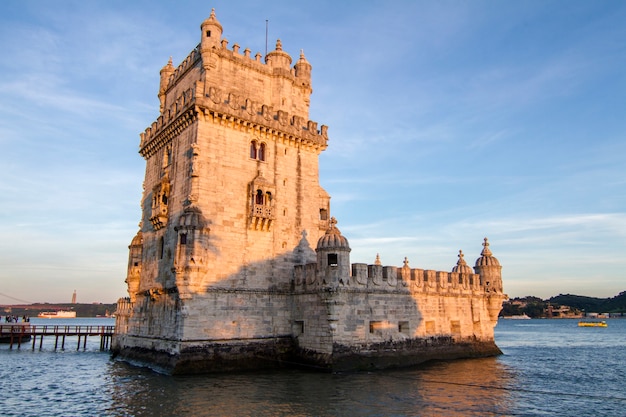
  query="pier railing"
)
[{"x": 18, "y": 333}]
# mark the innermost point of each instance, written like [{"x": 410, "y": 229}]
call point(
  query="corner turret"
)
[
  {"x": 489, "y": 269},
  {"x": 211, "y": 33},
  {"x": 333, "y": 255},
  {"x": 303, "y": 71},
  {"x": 134, "y": 265},
  {"x": 166, "y": 73}
]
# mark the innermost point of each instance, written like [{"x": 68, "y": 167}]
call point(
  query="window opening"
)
[
  {"x": 403, "y": 327},
  {"x": 262, "y": 152},
  {"x": 299, "y": 327},
  {"x": 253, "y": 146},
  {"x": 375, "y": 325},
  {"x": 332, "y": 259},
  {"x": 259, "y": 197}
]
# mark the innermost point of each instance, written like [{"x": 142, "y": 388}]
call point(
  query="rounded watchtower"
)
[
  {"x": 303, "y": 71},
  {"x": 278, "y": 58},
  {"x": 166, "y": 72},
  {"x": 461, "y": 266},
  {"x": 489, "y": 269},
  {"x": 333, "y": 254},
  {"x": 211, "y": 33},
  {"x": 133, "y": 273}
]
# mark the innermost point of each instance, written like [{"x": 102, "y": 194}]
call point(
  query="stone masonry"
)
[{"x": 222, "y": 274}]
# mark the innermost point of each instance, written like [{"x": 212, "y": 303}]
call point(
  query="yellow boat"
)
[{"x": 592, "y": 324}]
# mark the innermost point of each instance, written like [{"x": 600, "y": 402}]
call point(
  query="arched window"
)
[
  {"x": 253, "y": 146},
  {"x": 262, "y": 152},
  {"x": 259, "y": 197},
  {"x": 268, "y": 198}
]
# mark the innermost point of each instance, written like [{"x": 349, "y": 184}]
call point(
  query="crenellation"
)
[
  {"x": 389, "y": 278},
  {"x": 230, "y": 109}
]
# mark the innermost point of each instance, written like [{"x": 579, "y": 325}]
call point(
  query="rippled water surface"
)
[{"x": 549, "y": 368}]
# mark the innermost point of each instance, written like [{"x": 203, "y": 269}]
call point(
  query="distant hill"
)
[
  {"x": 82, "y": 310},
  {"x": 535, "y": 307},
  {"x": 615, "y": 304}
]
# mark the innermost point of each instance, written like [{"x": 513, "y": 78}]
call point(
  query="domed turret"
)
[
  {"x": 211, "y": 33},
  {"x": 489, "y": 269},
  {"x": 333, "y": 239},
  {"x": 278, "y": 58},
  {"x": 461, "y": 266},
  {"x": 486, "y": 257},
  {"x": 333, "y": 255}
]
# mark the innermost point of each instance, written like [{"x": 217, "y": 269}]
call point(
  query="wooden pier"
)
[{"x": 16, "y": 334}]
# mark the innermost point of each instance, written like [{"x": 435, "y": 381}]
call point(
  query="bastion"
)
[{"x": 238, "y": 263}]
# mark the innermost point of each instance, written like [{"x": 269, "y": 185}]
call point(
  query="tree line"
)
[{"x": 535, "y": 307}]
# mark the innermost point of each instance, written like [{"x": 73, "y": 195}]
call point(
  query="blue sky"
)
[{"x": 449, "y": 121}]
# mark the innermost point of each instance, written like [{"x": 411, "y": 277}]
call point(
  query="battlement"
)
[
  {"x": 189, "y": 62},
  {"x": 389, "y": 279},
  {"x": 228, "y": 108},
  {"x": 268, "y": 67}
]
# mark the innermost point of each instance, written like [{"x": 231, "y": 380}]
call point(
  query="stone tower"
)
[
  {"x": 230, "y": 203},
  {"x": 222, "y": 273}
]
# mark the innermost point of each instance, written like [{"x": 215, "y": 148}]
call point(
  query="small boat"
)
[
  {"x": 592, "y": 323},
  {"x": 518, "y": 317},
  {"x": 61, "y": 314}
]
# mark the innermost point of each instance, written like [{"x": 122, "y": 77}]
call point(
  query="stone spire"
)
[
  {"x": 486, "y": 257},
  {"x": 486, "y": 251}
]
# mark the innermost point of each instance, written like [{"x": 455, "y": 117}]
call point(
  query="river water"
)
[{"x": 549, "y": 368}]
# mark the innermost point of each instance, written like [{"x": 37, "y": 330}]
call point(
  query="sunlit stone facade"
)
[{"x": 238, "y": 264}]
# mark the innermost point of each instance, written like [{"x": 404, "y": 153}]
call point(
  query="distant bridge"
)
[{"x": 16, "y": 334}]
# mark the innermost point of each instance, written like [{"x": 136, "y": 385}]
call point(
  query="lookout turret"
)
[
  {"x": 489, "y": 269},
  {"x": 333, "y": 254},
  {"x": 461, "y": 266},
  {"x": 278, "y": 58},
  {"x": 303, "y": 71},
  {"x": 166, "y": 72},
  {"x": 211, "y": 33}
]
